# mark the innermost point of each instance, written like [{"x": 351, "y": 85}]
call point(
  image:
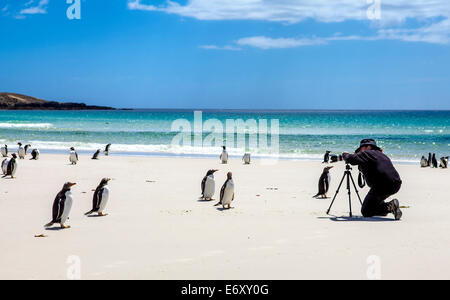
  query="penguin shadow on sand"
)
[
  {"x": 355, "y": 219},
  {"x": 224, "y": 209},
  {"x": 56, "y": 229}
]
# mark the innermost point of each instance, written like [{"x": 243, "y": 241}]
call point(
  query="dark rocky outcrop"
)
[{"x": 11, "y": 101}]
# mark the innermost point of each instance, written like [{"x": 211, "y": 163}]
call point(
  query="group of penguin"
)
[
  {"x": 208, "y": 185},
  {"x": 73, "y": 156},
  {"x": 433, "y": 162},
  {"x": 62, "y": 204},
  {"x": 9, "y": 165}
]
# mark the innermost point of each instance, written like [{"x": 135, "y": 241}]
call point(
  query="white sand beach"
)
[{"x": 158, "y": 229}]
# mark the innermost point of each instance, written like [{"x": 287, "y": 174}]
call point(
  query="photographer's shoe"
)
[{"x": 394, "y": 207}]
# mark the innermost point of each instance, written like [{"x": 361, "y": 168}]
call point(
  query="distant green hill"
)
[{"x": 12, "y": 101}]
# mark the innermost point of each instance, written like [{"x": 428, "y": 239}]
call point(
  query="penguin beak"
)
[
  {"x": 72, "y": 184},
  {"x": 216, "y": 171},
  {"x": 330, "y": 167}
]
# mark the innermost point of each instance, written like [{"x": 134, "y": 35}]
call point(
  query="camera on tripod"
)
[
  {"x": 348, "y": 178},
  {"x": 334, "y": 158}
]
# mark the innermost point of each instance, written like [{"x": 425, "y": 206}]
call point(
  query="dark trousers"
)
[{"x": 374, "y": 204}]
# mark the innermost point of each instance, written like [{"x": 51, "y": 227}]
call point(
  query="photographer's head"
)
[{"x": 368, "y": 144}]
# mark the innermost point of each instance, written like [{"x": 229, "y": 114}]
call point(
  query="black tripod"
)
[{"x": 348, "y": 175}]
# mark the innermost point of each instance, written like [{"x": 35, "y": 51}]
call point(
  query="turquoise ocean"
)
[{"x": 405, "y": 135}]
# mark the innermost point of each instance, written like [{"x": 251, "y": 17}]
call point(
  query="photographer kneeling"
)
[{"x": 381, "y": 177}]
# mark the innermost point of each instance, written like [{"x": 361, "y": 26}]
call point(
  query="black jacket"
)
[{"x": 377, "y": 168}]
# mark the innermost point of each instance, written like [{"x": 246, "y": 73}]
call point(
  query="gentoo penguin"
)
[
  {"x": 5, "y": 166},
  {"x": 424, "y": 162},
  {"x": 107, "y": 148},
  {"x": 4, "y": 151},
  {"x": 444, "y": 163},
  {"x": 62, "y": 206},
  {"x": 11, "y": 167},
  {"x": 26, "y": 148},
  {"x": 73, "y": 157},
  {"x": 101, "y": 196},
  {"x": 96, "y": 154},
  {"x": 224, "y": 155},
  {"x": 429, "y": 159},
  {"x": 35, "y": 154},
  {"x": 434, "y": 161},
  {"x": 227, "y": 192},
  {"x": 21, "y": 151},
  {"x": 326, "y": 158},
  {"x": 324, "y": 183},
  {"x": 247, "y": 158},
  {"x": 208, "y": 185}
]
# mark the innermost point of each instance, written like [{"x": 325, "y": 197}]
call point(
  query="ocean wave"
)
[
  {"x": 167, "y": 149},
  {"x": 26, "y": 125}
]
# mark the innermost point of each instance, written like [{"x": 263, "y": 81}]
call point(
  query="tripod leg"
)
[
  {"x": 349, "y": 192},
  {"x": 356, "y": 189},
  {"x": 337, "y": 192}
]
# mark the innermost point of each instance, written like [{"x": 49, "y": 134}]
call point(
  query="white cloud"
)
[
  {"x": 41, "y": 8},
  {"x": 263, "y": 42},
  {"x": 394, "y": 13},
  {"x": 214, "y": 47},
  {"x": 437, "y": 33},
  {"x": 137, "y": 5},
  {"x": 294, "y": 11}
]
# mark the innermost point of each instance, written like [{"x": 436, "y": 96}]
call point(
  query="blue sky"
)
[{"x": 280, "y": 54}]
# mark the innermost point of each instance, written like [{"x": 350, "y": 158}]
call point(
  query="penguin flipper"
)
[{"x": 203, "y": 186}]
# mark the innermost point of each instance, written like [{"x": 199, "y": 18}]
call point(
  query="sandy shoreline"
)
[{"x": 157, "y": 228}]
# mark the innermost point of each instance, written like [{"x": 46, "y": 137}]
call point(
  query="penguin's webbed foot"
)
[{"x": 49, "y": 225}]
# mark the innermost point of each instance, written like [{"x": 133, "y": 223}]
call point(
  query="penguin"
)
[
  {"x": 26, "y": 148},
  {"x": 11, "y": 167},
  {"x": 424, "y": 162},
  {"x": 5, "y": 166},
  {"x": 101, "y": 197},
  {"x": 434, "y": 161},
  {"x": 444, "y": 162},
  {"x": 96, "y": 154},
  {"x": 227, "y": 192},
  {"x": 62, "y": 206},
  {"x": 429, "y": 159},
  {"x": 247, "y": 158},
  {"x": 21, "y": 151},
  {"x": 107, "y": 148},
  {"x": 326, "y": 158},
  {"x": 224, "y": 156},
  {"x": 324, "y": 183},
  {"x": 208, "y": 186},
  {"x": 35, "y": 154},
  {"x": 4, "y": 151},
  {"x": 73, "y": 157}
]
